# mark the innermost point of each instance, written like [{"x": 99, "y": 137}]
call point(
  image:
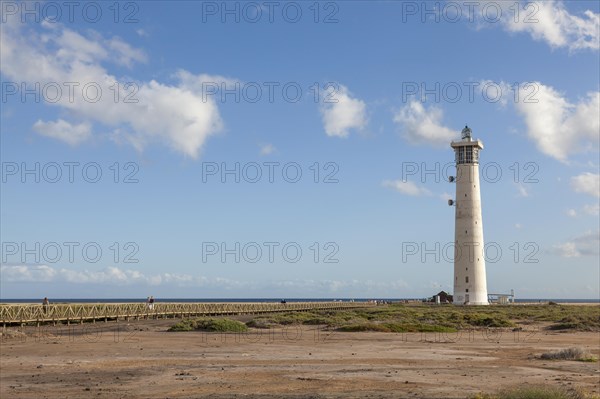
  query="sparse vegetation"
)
[
  {"x": 400, "y": 318},
  {"x": 395, "y": 327},
  {"x": 569, "y": 354},
  {"x": 430, "y": 318},
  {"x": 541, "y": 392},
  {"x": 364, "y": 327},
  {"x": 210, "y": 324}
]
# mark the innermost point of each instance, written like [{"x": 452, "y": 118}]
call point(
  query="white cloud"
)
[
  {"x": 123, "y": 53},
  {"x": 64, "y": 131},
  {"x": 406, "y": 187},
  {"x": 587, "y": 183},
  {"x": 592, "y": 209},
  {"x": 341, "y": 113},
  {"x": 518, "y": 226},
  {"x": 23, "y": 273},
  {"x": 130, "y": 278},
  {"x": 588, "y": 209},
  {"x": 558, "y": 127},
  {"x": 176, "y": 115},
  {"x": 424, "y": 126},
  {"x": 340, "y": 287},
  {"x": 109, "y": 275},
  {"x": 496, "y": 92},
  {"x": 547, "y": 21},
  {"x": 522, "y": 190},
  {"x": 587, "y": 244},
  {"x": 72, "y": 47},
  {"x": 551, "y": 22},
  {"x": 446, "y": 196},
  {"x": 267, "y": 149},
  {"x": 205, "y": 83},
  {"x": 567, "y": 250}
]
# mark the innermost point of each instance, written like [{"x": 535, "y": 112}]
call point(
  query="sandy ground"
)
[{"x": 141, "y": 359}]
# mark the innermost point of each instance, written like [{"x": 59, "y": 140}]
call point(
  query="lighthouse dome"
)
[{"x": 466, "y": 133}]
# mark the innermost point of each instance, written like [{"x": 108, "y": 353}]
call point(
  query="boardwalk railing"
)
[{"x": 82, "y": 312}]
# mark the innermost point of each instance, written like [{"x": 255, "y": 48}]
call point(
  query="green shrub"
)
[
  {"x": 486, "y": 320},
  {"x": 259, "y": 323},
  {"x": 364, "y": 327},
  {"x": 221, "y": 325},
  {"x": 214, "y": 325},
  {"x": 583, "y": 321},
  {"x": 184, "y": 325},
  {"x": 395, "y": 327},
  {"x": 430, "y": 318}
]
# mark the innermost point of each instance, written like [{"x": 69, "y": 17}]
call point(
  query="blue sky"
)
[{"x": 361, "y": 98}]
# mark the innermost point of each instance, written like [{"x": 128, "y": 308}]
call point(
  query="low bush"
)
[
  {"x": 569, "y": 354},
  {"x": 364, "y": 327},
  {"x": 213, "y": 325},
  {"x": 395, "y": 327}
]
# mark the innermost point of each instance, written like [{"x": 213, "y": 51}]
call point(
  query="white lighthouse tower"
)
[{"x": 470, "y": 286}]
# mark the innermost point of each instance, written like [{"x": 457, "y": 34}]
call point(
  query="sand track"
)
[{"x": 140, "y": 359}]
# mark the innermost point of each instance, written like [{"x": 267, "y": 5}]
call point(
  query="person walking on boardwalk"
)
[
  {"x": 45, "y": 304},
  {"x": 148, "y": 303},
  {"x": 151, "y": 302}
]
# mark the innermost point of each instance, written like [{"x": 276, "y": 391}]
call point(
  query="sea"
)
[{"x": 243, "y": 300}]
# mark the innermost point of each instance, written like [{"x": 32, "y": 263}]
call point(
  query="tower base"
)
[{"x": 472, "y": 298}]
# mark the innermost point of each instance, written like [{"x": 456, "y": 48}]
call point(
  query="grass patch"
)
[
  {"x": 210, "y": 324},
  {"x": 578, "y": 321},
  {"x": 395, "y": 327},
  {"x": 183, "y": 325},
  {"x": 260, "y": 323},
  {"x": 364, "y": 327},
  {"x": 487, "y": 320},
  {"x": 327, "y": 318},
  {"x": 569, "y": 354},
  {"x": 431, "y": 318},
  {"x": 542, "y": 392}
]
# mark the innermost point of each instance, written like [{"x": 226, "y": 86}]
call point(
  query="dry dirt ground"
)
[{"x": 141, "y": 359}]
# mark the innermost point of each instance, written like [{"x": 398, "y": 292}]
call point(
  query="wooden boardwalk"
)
[{"x": 20, "y": 314}]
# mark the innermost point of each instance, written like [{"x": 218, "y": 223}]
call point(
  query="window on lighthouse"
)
[
  {"x": 469, "y": 155},
  {"x": 462, "y": 155},
  {"x": 467, "y": 279}
]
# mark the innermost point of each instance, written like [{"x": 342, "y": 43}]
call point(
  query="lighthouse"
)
[{"x": 470, "y": 286}]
